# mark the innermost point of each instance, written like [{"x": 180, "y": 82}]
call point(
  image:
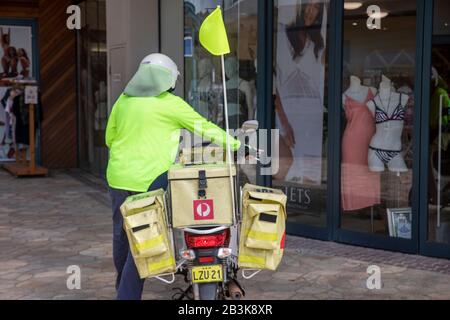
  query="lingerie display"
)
[
  {"x": 387, "y": 134},
  {"x": 381, "y": 117},
  {"x": 386, "y": 156}
]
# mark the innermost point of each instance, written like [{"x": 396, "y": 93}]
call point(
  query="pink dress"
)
[{"x": 360, "y": 188}]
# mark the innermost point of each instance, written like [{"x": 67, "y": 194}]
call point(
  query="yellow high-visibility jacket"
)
[{"x": 143, "y": 135}]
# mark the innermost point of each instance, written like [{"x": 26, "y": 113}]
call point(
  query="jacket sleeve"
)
[
  {"x": 189, "y": 119},
  {"x": 111, "y": 128}
]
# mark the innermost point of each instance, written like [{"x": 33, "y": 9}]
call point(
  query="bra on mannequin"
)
[{"x": 382, "y": 116}]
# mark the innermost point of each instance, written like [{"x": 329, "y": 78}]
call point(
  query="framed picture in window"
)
[{"x": 400, "y": 223}]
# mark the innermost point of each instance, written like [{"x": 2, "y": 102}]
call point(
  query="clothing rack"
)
[{"x": 22, "y": 166}]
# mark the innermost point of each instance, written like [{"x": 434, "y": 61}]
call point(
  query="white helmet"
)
[{"x": 163, "y": 61}]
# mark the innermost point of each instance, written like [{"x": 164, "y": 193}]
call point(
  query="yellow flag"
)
[{"x": 213, "y": 35}]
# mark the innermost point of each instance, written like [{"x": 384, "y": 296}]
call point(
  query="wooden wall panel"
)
[
  {"x": 19, "y": 8},
  {"x": 57, "y": 46}
]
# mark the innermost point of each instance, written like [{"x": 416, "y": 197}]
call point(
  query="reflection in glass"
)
[
  {"x": 377, "y": 118},
  {"x": 203, "y": 76},
  {"x": 439, "y": 168},
  {"x": 92, "y": 75},
  {"x": 301, "y": 35}
]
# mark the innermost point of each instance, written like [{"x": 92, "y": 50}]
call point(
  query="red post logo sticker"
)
[{"x": 203, "y": 210}]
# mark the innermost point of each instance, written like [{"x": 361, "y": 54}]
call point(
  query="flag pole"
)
[
  {"x": 227, "y": 126},
  {"x": 213, "y": 37}
]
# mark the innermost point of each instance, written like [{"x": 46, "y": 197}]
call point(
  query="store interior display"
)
[
  {"x": 203, "y": 75},
  {"x": 206, "y": 99},
  {"x": 240, "y": 99},
  {"x": 372, "y": 142},
  {"x": 439, "y": 180},
  {"x": 24, "y": 117},
  {"x": 16, "y": 69},
  {"x": 93, "y": 108},
  {"x": 388, "y": 109},
  {"x": 360, "y": 186},
  {"x": 381, "y": 61},
  {"x": 17, "y": 117},
  {"x": 6, "y": 132}
]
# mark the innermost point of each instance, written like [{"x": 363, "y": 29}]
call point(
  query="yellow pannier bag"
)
[
  {"x": 146, "y": 232},
  {"x": 263, "y": 228},
  {"x": 264, "y": 233},
  {"x": 149, "y": 237},
  {"x": 200, "y": 195}
]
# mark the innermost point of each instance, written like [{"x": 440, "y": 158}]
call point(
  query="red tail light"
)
[
  {"x": 206, "y": 259},
  {"x": 206, "y": 241}
]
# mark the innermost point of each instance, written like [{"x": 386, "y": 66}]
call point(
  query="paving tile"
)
[{"x": 66, "y": 220}]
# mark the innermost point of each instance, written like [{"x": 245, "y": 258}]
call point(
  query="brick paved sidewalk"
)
[{"x": 49, "y": 224}]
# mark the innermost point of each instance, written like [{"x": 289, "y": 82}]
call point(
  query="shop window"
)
[
  {"x": 439, "y": 155},
  {"x": 92, "y": 95},
  {"x": 17, "y": 65},
  {"x": 203, "y": 75},
  {"x": 379, "y": 46},
  {"x": 301, "y": 107}
]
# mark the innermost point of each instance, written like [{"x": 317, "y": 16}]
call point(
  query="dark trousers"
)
[{"x": 129, "y": 285}]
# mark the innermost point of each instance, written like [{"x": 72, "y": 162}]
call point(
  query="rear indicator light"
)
[
  {"x": 187, "y": 255},
  {"x": 206, "y": 241},
  {"x": 224, "y": 253}
]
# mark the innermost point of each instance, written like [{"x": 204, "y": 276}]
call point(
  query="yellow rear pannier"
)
[
  {"x": 263, "y": 228},
  {"x": 145, "y": 222},
  {"x": 200, "y": 195},
  {"x": 263, "y": 233}
]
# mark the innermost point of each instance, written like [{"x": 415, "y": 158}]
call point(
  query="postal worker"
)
[{"x": 143, "y": 136}]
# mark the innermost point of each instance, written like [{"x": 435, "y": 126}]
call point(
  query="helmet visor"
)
[{"x": 149, "y": 81}]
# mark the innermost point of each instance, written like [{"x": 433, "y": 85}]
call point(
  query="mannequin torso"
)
[
  {"x": 240, "y": 94},
  {"x": 356, "y": 91},
  {"x": 388, "y": 135},
  {"x": 388, "y": 109}
]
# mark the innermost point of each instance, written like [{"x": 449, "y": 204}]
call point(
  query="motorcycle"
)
[
  {"x": 209, "y": 268},
  {"x": 208, "y": 258}
]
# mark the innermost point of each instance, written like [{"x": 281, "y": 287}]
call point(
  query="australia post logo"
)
[{"x": 203, "y": 210}]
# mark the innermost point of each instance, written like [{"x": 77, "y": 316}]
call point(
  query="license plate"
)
[{"x": 206, "y": 274}]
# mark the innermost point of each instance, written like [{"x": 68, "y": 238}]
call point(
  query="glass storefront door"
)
[
  {"x": 437, "y": 224},
  {"x": 92, "y": 86},
  {"x": 362, "y": 105},
  {"x": 379, "y": 72},
  {"x": 364, "y": 145}
]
